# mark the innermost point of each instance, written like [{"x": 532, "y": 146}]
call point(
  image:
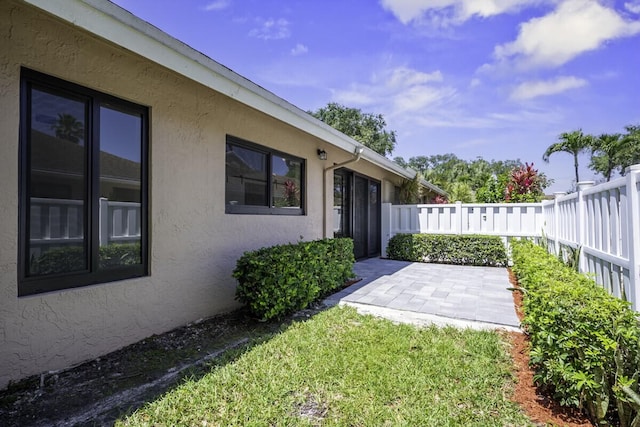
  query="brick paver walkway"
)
[{"x": 471, "y": 294}]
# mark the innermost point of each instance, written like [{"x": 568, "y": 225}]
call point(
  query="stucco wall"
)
[{"x": 193, "y": 243}]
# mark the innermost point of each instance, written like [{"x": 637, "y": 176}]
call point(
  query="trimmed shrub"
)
[
  {"x": 281, "y": 279},
  {"x": 584, "y": 342},
  {"x": 448, "y": 249}
]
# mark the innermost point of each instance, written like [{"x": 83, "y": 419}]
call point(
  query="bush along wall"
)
[
  {"x": 448, "y": 249},
  {"x": 585, "y": 343},
  {"x": 281, "y": 279}
]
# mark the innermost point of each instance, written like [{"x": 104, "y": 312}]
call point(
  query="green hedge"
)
[
  {"x": 448, "y": 249},
  {"x": 584, "y": 342},
  {"x": 281, "y": 279}
]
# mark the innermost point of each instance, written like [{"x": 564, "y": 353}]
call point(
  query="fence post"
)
[
  {"x": 556, "y": 221},
  {"x": 386, "y": 219},
  {"x": 458, "y": 211},
  {"x": 582, "y": 222},
  {"x": 633, "y": 194},
  {"x": 104, "y": 221}
]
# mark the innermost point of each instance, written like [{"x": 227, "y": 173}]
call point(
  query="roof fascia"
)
[{"x": 111, "y": 22}]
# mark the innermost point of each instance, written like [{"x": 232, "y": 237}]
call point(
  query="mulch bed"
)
[{"x": 536, "y": 403}]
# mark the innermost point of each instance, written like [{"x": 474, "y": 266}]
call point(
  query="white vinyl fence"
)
[
  {"x": 602, "y": 222},
  {"x": 58, "y": 222}
]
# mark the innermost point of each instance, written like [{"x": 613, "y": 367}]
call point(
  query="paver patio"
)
[{"x": 432, "y": 293}]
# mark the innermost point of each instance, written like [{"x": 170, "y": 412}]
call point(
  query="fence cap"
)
[
  {"x": 632, "y": 168},
  {"x": 585, "y": 184}
]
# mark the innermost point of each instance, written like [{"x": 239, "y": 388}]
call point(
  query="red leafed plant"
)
[
  {"x": 525, "y": 185},
  {"x": 291, "y": 193},
  {"x": 440, "y": 200}
]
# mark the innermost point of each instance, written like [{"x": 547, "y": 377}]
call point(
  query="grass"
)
[{"x": 340, "y": 368}]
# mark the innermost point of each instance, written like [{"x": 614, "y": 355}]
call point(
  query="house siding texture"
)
[{"x": 193, "y": 244}]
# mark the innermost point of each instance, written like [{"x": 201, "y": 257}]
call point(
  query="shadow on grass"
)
[{"x": 100, "y": 391}]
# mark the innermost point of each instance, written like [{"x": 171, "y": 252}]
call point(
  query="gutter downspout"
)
[{"x": 356, "y": 156}]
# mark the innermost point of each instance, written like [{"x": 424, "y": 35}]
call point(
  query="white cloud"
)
[
  {"x": 534, "y": 89},
  {"x": 299, "y": 49},
  {"x": 443, "y": 12},
  {"x": 633, "y": 6},
  {"x": 396, "y": 91},
  {"x": 217, "y": 5},
  {"x": 272, "y": 29},
  {"x": 417, "y": 98},
  {"x": 353, "y": 97},
  {"x": 575, "y": 27},
  {"x": 403, "y": 77},
  {"x": 469, "y": 119}
]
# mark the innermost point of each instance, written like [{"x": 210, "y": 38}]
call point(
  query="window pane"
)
[
  {"x": 246, "y": 177},
  {"x": 286, "y": 182},
  {"x": 57, "y": 189},
  {"x": 120, "y": 190}
]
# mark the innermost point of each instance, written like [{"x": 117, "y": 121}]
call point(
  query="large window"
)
[
  {"x": 83, "y": 186},
  {"x": 262, "y": 181}
]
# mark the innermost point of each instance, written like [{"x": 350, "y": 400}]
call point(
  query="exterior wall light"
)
[{"x": 322, "y": 155}]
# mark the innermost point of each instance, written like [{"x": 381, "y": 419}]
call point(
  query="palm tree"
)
[
  {"x": 461, "y": 192},
  {"x": 69, "y": 128},
  {"x": 573, "y": 143},
  {"x": 605, "y": 153}
]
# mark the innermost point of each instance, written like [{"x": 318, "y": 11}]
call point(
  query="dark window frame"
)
[
  {"x": 30, "y": 285},
  {"x": 267, "y": 210}
]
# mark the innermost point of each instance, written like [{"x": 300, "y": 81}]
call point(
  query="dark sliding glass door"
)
[{"x": 357, "y": 212}]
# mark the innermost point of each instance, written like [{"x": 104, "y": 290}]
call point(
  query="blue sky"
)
[{"x": 500, "y": 79}]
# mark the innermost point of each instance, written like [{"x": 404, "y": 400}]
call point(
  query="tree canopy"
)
[
  {"x": 610, "y": 152},
  {"x": 480, "y": 180},
  {"x": 367, "y": 128},
  {"x": 605, "y": 152}
]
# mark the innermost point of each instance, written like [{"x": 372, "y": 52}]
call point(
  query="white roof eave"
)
[{"x": 111, "y": 22}]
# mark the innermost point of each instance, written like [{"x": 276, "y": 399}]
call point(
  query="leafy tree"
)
[
  {"x": 573, "y": 143},
  {"x": 421, "y": 163},
  {"x": 410, "y": 190},
  {"x": 493, "y": 191},
  {"x": 366, "y": 128},
  {"x": 442, "y": 169},
  {"x": 606, "y": 152},
  {"x": 69, "y": 128},
  {"x": 445, "y": 170},
  {"x": 401, "y": 161},
  {"x": 461, "y": 192},
  {"x": 630, "y": 154}
]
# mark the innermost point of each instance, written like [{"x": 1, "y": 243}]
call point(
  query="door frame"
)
[{"x": 372, "y": 243}]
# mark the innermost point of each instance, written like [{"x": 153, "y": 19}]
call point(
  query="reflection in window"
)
[
  {"x": 83, "y": 203},
  {"x": 286, "y": 173},
  {"x": 258, "y": 180},
  {"x": 57, "y": 184},
  {"x": 120, "y": 191},
  {"x": 246, "y": 177}
]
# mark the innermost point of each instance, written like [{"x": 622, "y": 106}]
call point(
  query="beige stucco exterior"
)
[{"x": 193, "y": 244}]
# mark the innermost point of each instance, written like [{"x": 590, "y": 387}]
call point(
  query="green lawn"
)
[{"x": 341, "y": 368}]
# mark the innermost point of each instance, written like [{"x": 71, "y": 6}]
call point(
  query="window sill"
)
[{"x": 262, "y": 210}]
